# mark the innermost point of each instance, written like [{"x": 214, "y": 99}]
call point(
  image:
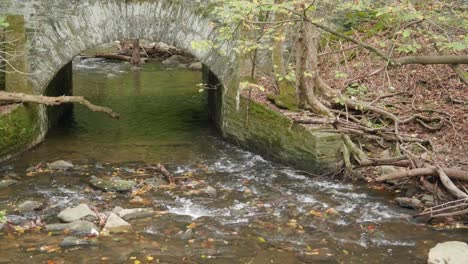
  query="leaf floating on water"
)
[{"x": 261, "y": 240}]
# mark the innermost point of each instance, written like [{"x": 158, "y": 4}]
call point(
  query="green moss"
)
[
  {"x": 18, "y": 129},
  {"x": 272, "y": 134}
]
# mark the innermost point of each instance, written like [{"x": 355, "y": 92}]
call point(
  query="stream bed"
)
[{"x": 260, "y": 211}]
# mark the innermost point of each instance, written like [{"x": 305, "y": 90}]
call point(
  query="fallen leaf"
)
[{"x": 315, "y": 213}]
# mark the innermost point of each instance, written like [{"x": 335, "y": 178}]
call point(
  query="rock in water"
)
[
  {"x": 412, "y": 203},
  {"x": 79, "y": 227},
  {"x": 134, "y": 213},
  {"x": 82, "y": 211},
  {"x": 60, "y": 165},
  {"x": 451, "y": 252},
  {"x": 7, "y": 183},
  {"x": 196, "y": 66},
  {"x": 75, "y": 242},
  {"x": 29, "y": 206},
  {"x": 113, "y": 185},
  {"x": 210, "y": 191},
  {"x": 115, "y": 224}
]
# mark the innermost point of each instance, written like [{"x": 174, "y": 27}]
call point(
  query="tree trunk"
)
[
  {"x": 136, "y": 52},
  {"x": 307, "y": 71},
  {"x": 286, "y": 97}
]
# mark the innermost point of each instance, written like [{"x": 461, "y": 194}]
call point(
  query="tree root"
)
[{"x": 51, "y": 101}]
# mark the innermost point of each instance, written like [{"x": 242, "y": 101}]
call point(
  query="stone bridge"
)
[{"x": 50, "y": 33}]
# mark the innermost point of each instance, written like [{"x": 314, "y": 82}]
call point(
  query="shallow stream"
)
[{"x": 263, "y": 212}]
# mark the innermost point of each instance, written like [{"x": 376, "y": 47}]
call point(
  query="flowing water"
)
[{"x": 263, "y": 212}]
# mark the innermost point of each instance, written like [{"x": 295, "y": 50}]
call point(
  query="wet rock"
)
[
  {"x": 412, "y": 203},
  {"x": 79, "y": 227},
  {"x": 115, "y": 224},
  {"x": 196, "y": 66},
  {"x": 115, "y": 184},
  {"x": 134, "y": 213},
  {"x": 188, "y": 234},
  {"x": 7, "y": 183},
  {"x": 176, "y": 60},
  {"x": 451, "y": 252},
  {"x": 82, "y": 211},
  {"x": 210, "y": 191},
  {"x": 154, "y": 182},
  {"x": 60, "y": 165},
  {"x": 29, "y": 206},
  {"x": 75, "y": 242},
  {"x": 17, "y": 219}
]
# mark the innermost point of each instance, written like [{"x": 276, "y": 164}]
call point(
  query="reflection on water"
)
[
  {"x": 163, "y": 116},
  {"x": 263, "y": 213}
]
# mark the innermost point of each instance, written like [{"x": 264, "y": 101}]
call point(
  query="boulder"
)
[
  {"x": 134, "y": 213},
  {"x": 75, "y": 242},
  {"x": 60, "y": 165},
  {"x": 115, "y": 224},
  {"x": 79, "y": 227},
  {"x": 115, "y": 184},
  {"x": 195, "y": 66},
  {"x": 82, "y": 211},
  {"x": 412, "y": 203},
  {"x": 7, "y": 183},
  {"x": 451, "y": 252},
  {"x": 29, "y": 206}
]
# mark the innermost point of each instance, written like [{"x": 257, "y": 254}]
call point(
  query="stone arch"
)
[{"x": 63, "y": 29}]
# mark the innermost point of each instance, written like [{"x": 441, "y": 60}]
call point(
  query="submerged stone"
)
[
  {"x": 134, "y": 213},
  {"x": 7, "y": 183},
  {"x": 75, "y": 242},
  {"x": 60, "y": 165},
  {"x": 113, "y": 185},
  {"x": 82, "y": 211},
  {"x": 115, "y": 224},
  {"x": 451, "y": 252},
  {"x": 29, "y": 206},
  {"x": 79, "y": 227}
]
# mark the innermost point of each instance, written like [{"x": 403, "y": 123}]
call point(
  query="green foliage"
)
[
  {"x": 3, "y": 23},
  {"x": 356, "y": 90}
]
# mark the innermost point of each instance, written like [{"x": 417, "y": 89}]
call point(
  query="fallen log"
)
[
  {"x": 169, "y": 177},
  {"x": 427, "y": 171},
  {"x": 112, "y": 56},
  {"x": 51, "y": 101}
]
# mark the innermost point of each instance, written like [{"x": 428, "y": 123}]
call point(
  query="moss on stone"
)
[
  {"x": 272, "y": 134},
  {"x": 18, "y": 129}
]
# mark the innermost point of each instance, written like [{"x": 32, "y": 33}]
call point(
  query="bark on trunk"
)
[
  {"x": 307, "y": 71},
  {"x": 136, "y": 52}
]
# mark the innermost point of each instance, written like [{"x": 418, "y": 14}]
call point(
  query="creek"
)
[{"x": 263, "y": 212}]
